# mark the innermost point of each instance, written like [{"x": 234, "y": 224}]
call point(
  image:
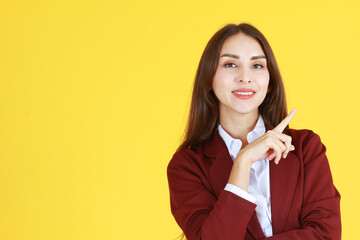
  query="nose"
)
[{"x": 243, "y": 75}]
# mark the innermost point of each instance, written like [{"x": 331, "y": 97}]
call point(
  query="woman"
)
[{"x": 240, "y": 172}]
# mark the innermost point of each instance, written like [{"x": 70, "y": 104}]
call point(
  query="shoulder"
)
[
  {"x": 188, "y": 158},
  {"x": 200, "y": 160},
  {"x": 303, "y": 135},
  {"x": 307, "y": 143},
  {"x": 182, "y": 157},
  {"x": 201, "y": 155}
]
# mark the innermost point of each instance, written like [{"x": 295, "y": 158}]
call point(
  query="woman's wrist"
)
[
  {"x": 240, "y": 173},
  {"x": 243, "y": 159}
]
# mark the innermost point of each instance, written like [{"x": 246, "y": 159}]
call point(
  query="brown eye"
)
[
  {"x": 230, "y": 65},
  {"x": 258, "y": 66}
]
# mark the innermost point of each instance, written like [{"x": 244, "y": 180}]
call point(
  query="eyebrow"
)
[{"x": 237, "y": 57}]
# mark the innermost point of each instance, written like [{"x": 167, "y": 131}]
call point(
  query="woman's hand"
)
[{"x": 272, "y": 145}]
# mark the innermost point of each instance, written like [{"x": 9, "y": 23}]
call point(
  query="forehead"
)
[{"x": 241, "y": 44}]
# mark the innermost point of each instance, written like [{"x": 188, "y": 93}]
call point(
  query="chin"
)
[
  {"x": 238, "y": 109},
  {"x": 246, "y": 110}
]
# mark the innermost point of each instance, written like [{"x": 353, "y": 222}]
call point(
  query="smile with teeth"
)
[{"x": 244, "y": 93}]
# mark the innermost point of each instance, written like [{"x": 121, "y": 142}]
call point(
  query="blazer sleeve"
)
[
  {"x": 197, "y": 209},
  {"x": 320, "y": 213}
]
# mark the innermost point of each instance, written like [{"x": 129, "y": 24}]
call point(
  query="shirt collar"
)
[{"x": 257, "y": 132}]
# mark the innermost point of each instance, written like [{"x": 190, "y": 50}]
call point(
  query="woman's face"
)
[{"x": 241, "y": 80}]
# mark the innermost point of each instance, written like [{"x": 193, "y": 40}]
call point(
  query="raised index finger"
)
[{"x": 282, "y": 125}]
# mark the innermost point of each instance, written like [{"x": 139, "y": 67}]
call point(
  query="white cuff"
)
[{"x": 240, "y": 192}]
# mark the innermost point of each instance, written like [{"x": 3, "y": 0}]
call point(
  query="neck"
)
[{"x": 239, "y": 125}]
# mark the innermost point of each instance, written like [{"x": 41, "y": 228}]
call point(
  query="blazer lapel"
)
[
  {"x": 219, "y": 175},
  {"x": 283, "y": 178},
  {"x": 221, "y": 165}
]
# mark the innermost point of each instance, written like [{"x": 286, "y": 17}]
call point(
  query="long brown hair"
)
[{"x": 204, "y": 110}]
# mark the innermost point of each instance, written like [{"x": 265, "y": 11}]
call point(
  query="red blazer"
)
[{"x": 304, "y": 202}]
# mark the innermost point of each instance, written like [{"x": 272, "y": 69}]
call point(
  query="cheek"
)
[
  {"x": 264, "y": 80},
  {"x": 216, "y": 86},
  {"x": 218, "y": 81}
]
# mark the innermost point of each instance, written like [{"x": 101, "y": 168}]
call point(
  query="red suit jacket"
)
[{"x": 304, "y": 202}]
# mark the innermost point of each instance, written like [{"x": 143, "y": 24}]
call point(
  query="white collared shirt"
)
[{"x": 259, "y": 184}]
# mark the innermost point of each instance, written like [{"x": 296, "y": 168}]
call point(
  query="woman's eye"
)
[
  {"x": 232, "y": 65},
  {"x": 258, "y": 66}
]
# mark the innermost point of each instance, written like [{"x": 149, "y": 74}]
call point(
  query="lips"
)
[{"x": 244, "y": 93}]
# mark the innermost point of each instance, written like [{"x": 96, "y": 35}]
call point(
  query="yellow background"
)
[{"x": 94, "y": 98}]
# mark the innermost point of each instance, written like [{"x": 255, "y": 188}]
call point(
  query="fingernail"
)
[{"x": 285, "y": 155}]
